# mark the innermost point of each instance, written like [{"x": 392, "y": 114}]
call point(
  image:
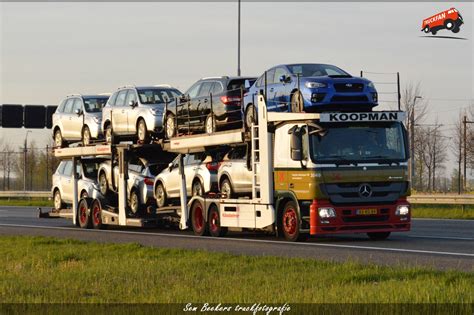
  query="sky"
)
[{"x": 50, "y": 50}]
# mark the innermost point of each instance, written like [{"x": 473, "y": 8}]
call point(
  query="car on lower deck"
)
[
  {"x": 209, "y": 105},
  {"x": 62, "y": 187},
  {"x": 201, "y": 177},
  {"x": 137, "y": 112},
  {"x": 78, "y": 118},
  {"x": 309, "y": 88},
  {"x": 141, "y": 175}
]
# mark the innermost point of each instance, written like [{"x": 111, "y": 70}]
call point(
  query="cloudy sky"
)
[{"x": 49, "y": 50}]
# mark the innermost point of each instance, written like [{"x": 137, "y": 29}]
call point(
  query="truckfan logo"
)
[
  {"x": 365, "y": 191},
  {"x": 450, "y": 19}
]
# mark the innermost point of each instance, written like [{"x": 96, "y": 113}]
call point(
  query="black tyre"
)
[
  {"x": 290, "y": 223},
  {"x": 378, "y": 236},
  {"x": 83, "y": 213},
  {"x": 198, "y": 188},
  {"x": 58, "y": 139},
  {"x": 103, "y": 184},
  {"x": 86, "y": 136},
  {"x": 84, "y": 194},
  {"x": 197, "y": 219},
  {"x": 210, "y": 125},
  {"x": 58, "y": 202},
  {"x": 250, "y": 116},
  {"x": 142, "y": 132},
  {"x": 214, "y": 223},
  {"x": 134, "y": 202},
  {"x": 96, "y": 215},
  {"x": 455, "y": 30},
  {"x": 108, "y": 133},
  {"x": 170, "y": 126},
  {"x": 434, "y": 32},
  {"x": 160, "y": 195},
  {"x": 297, "y": 103},
  {"x": 226, "y": 189}
]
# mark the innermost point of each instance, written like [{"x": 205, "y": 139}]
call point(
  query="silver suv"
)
[
  {"x": 201, "y": 177},
  {"x": 234, "y": 174},
  {"x": 78, "y": 118},
  {"x": 86, "y": 186},
  {"x": 137, "y": 112}
]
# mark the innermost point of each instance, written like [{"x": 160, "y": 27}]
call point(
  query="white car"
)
[
  {"x": 234, "y": 175},
  {"x": 63, "y": 185},
  {"x": 141, "y": 175},
  {"x": 200, "y": 170}
]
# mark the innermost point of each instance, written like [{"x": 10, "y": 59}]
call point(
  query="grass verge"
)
[
  {"x": 442, "y": 211},
  {"x": 30, "y": 202},
  {"x": 40, "y": 269}
]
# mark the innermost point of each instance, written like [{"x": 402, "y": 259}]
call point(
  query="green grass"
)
[
  {"x": 442, "y": 211},
  {"x": 40, "y": 269},
  {"x": 30, "y": 202}
]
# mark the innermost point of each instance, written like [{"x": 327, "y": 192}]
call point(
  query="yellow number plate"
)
[{"x": 366, "y": 211}]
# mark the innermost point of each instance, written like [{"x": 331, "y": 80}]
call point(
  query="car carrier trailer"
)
[{"x": 292, "y": 195}]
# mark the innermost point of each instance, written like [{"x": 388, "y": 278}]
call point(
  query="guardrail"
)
[
  {"x": 25, "y": 194},
  {"x": 442, "y": 199}
]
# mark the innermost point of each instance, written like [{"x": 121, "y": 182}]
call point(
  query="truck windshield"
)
[{"x": 359, "y": 143}]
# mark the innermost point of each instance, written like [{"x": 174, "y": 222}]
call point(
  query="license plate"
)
[{"x": 366, "y": 211}]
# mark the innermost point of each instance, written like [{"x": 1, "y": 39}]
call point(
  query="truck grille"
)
[
  {"x": 349, "y": 87},
  {"x": 348, "y": 193},
  {"x": 349, "y": 98}
]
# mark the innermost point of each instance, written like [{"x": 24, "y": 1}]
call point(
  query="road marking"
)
[
  {"x": 443, "y": 237},
  {"x": 402, "y": 250}
]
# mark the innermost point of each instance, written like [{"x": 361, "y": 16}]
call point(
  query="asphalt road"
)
[{"x": 440, "y": 244}]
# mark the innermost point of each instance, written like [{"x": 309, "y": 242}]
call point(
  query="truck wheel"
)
[
  {"x": 96, "y": 213},
  {"x": 197, "y": 219},
  {"x": 83, "y": 213},
  {"x": 226, "y": 189},
  {"x": 58, "y": 203},
  {"x": 58, "y": 139},
  {"x": 449, "y": 24},
  {"x": 455, "y": 30},
  {"x": 160, "y": 195},
  {"x": 297, "y": 104},
  {"x": 198, "y": 188},
  {"x": 170, "y": 126},
  {"x": 378, "y": 236},
  {"x": 103, "y": 185},
  {"x": 142, "y": 132},
  {"x": 250, "y": 116},
  {"x": 290, "y": 223},
  {"x": 434, "y": 32},
  {"x": 426, "y": 29},
  {"x": 214, "y": 223},
  {"x": 86, "y": 136}
]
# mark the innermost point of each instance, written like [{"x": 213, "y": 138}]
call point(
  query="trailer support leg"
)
[
  {"x": 183, "y": 196},
  {"x": 122, "y": 187},
  {"x": 74, "y": 191}
]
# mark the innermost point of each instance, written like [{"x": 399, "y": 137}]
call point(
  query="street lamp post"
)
[
  {"x": 25, "y": 150},
  {"x": 412, "y": 139}
]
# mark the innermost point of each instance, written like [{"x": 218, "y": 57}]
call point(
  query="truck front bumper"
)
[{"x": 359, "y": 218}]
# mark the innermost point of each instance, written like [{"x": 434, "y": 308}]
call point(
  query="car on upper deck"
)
[
  {"x": 309, "y": 87},
  {"x": 137, "y": 112},
  {"x": 78, "y": 118},
  {"x": 209, "y": 105}
]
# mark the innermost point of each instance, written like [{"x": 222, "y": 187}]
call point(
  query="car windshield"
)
[
  {"x": 157, "y": 96},
  {"x": 94, "y": 104},
  {"x": 90, "y": 168},
  {"x": 382, "y": 143},
  {"x": 316, "y": 70}
]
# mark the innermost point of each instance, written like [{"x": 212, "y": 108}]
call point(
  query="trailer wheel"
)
[
  {"x": 83, "y": 213},
  {"x": 378, "y": 236},
  {"x": 197, "y": 219},
  {"x": 290, "y": 223},
  {"x": 96, "y": 213},
  {"x": 214, "y": 223}
]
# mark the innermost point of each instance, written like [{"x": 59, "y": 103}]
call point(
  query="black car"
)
[{"x": 209, "y": 105}]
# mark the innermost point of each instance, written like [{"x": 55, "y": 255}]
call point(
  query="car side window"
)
[
  {"x": 67, "y": 169},
  {"x": 120, "y": 101},
  {"x": 193, "y": 91},
  {"x": 113, "y": 98},
  {"x": 270, "y": 77},
  {"x": 216, "y": 88},
  {"x": 260, "y": 81},
  {"x": 205, "y": 88},
  {"x": 60, "y": 169},
  {"x": 131, "y": 96},
  {"x": 278, "y": 73},
  {"x": 77, "y": 105},
  {"x": 68, "y": 106},
  {"x": 61, "y": 107}
]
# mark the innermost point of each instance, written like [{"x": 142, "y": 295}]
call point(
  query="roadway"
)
[{"x": 439, "y": 244}]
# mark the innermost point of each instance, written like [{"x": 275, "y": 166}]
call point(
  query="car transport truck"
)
[{"x": 318, "y": 174}]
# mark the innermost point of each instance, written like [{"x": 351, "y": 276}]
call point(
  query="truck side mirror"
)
[{"x": 296, "y": 144}]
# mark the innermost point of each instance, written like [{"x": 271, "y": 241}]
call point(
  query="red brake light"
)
[
  {"x": 148, "y": 181},
  {"x": 212, "y": 166},
  {"x": 230, "y": 99}
]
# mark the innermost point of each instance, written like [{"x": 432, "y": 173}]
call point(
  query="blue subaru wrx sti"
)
[{"x": 310, "y": 88}]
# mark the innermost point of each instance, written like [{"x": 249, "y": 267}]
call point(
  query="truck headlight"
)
[
  {"x": 402, "y": 210},
  {"x": 314, "y": 85},
  {"x": 327, "y": 213}
]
